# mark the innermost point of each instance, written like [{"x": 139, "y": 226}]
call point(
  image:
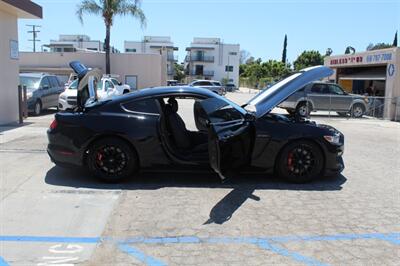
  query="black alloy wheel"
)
[
  {"x": 300, "y": 162},
  {"x": 357, "y": 110},
  {"x": 112, "y": 160},
  {"x": 303, "y": 109}
]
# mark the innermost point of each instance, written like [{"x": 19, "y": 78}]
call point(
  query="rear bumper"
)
[{"x": 61, "y": 153}]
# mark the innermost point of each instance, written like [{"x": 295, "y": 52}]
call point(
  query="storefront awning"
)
[{"x": 364, "y": 76}]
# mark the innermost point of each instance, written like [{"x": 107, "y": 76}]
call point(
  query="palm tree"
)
[{"x": 108, "y": 9}]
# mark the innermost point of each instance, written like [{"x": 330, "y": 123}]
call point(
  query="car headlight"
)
[
  {"x": 63, "y": 97},
  {"x": 334, "y": 139},
  {"x": 29, "y": 95},
  {"x": 366, "y": 99}
]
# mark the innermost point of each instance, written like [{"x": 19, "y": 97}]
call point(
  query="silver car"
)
[
  {"x": 321, "y": 96},
  {"x": 212, "y": 85}
]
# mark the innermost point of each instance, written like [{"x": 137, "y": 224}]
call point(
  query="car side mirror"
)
[
  {"x": 249, "y": 117},
  {"x": 119, "y": 83},
  {"x": 45, "y": 87}
]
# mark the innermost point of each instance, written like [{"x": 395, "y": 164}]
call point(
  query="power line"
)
[{"x": 34, "y": 32}]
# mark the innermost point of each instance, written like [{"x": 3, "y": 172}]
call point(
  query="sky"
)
[{"x": 259, "y": 26}]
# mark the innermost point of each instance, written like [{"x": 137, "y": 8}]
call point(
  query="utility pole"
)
[{"x": 34, "y": 32}]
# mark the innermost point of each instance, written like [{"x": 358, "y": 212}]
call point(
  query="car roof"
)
[
  {"x": 164, "y": 91},
  {"x": 34, "y": 75},
  {"x": 210, "y": 80}
]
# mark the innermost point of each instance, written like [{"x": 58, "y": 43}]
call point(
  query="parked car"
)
[
  {"x": 212, "y": 85},
  {"x": 106, "y": 88},
  {"x": 104, "y": 135},
  {"x": 230, "y": 87},
  {"x": 172, "y": 82},
  {"x": 42, "y": 91},
  {"x": 320, "y": 96}
]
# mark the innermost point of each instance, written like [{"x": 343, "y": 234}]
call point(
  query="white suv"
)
[{"x": 107, "y": 88}]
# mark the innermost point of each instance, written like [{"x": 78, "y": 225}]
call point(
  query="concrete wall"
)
[
  {"x": 149, "y": 68},
  {"x": 8, "y": 69}
]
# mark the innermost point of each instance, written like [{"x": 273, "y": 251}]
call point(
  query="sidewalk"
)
[{"x": 247, "y": 90}]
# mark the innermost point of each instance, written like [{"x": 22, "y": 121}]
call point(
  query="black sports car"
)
[{"x": 115, "y": 138}]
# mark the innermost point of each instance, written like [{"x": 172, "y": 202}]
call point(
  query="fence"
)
[
  {"x": 22, "y": 103},
  {"x": 351, "y": 106}
]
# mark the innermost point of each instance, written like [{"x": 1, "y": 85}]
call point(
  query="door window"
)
[
  {"x": 320, "y": 88},
  {"x": 203, "y": 83},
  {"x": 220, "y": 111},
  {"x": 131, "y": 81},
  {"x": 54, "y": 82},
  {"x": 108, "y": 85},
  {"x": 336, "y": 90},
  {"x": 44, "y": 83},
  {"x": 148, "y": 106}
]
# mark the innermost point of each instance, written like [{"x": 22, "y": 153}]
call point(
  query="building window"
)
[
  {"x": 131, "y": 80},
  {"x": 228, "y": 68},
  {"x": 232, "y": 53},
  {"x": 130, "y": 50}
]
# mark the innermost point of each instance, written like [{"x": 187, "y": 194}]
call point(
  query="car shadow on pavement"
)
[{"x": 243, "y": 186}]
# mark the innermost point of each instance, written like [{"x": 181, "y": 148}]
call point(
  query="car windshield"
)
[
  {"x": 115, "y": 82},
  {"x": 73, "y": 85},
  {"x": 31, "y": 83}
]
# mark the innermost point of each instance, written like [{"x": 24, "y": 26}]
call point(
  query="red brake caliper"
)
[
  {"x": 290, "y": 160},
  {"x": 99, "y": 157}
]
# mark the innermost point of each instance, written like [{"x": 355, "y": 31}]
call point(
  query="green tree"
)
[
  {"x": 350, "y": 50},
  {"x": 378, "y": 46},
  {"x": 275, "y": 70},
  {"x": 108, "y": 9},
  {"x": 308, "y": 58},
  {"x": 179, "y": 72},
  {"x": 284, "y": 50}
]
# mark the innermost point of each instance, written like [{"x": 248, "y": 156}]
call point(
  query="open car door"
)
[
  {"x": 87, "y": 84},
  {"x": 230, "y": 136}
]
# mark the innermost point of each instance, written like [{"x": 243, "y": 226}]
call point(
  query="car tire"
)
[
  {"x": 125, "y": 92},
  {"x": 300, "y": 162},
  {"x": 303, "y": 109},
  {"x": 37, "y": 108},
  {"x": 342, "y": 114},
  {"x": 112, "y": 160},
  {"x": 357, "y": 110}
]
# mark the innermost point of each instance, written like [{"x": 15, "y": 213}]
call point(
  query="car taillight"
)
[{"x": 53, "y": 124}]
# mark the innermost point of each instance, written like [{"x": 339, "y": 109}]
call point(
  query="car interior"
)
[{"x": 184, "y": 144}]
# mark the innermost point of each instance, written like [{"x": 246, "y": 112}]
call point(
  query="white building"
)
[
  {"x": 209, "y": 58},
  {"x": 10, "y": 12},
  {"x": 74, "y": 43},
  {"x": 155, "y": 45}
]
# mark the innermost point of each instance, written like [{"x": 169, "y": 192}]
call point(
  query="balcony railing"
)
[
  {"x": 199, "y": 58},
  {"x": 205, "y": 73}
]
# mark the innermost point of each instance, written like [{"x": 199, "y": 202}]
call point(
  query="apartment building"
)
[
  {"x": 209, "y": 58},
  {"x": 74, "y": 43},
  {"x": 155, "y": 45}
]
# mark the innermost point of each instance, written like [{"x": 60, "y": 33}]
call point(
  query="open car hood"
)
[
  {"x": 269, "y": 98},
  {"x": 87, "y": 84}
]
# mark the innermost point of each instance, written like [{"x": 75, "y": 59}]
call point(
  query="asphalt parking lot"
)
[{"x": 51, "y": 215}]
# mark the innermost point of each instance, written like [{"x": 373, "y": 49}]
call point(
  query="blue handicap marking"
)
[
  {"x": 3, "y": 262},
  {"x": 272, "y": 244}
]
